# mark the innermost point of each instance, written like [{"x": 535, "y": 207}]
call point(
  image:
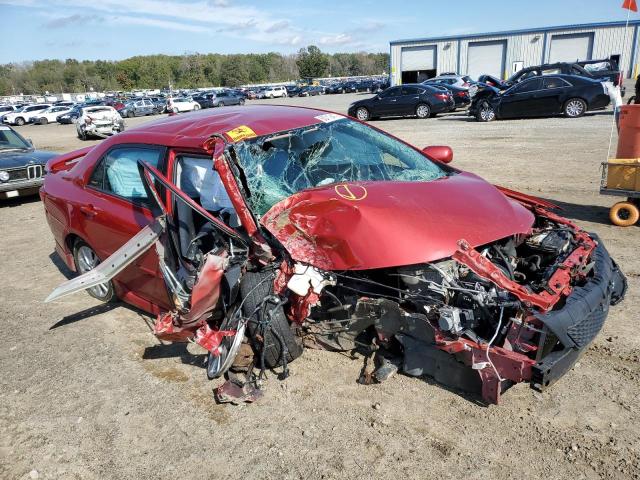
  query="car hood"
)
[
  {"x": 21, "y": 158},
  {"x": 366, "y": 225}
]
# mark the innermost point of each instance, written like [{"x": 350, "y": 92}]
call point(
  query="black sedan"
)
[
  {"x": 420, "y": 100},
  {"x": 542, "y": 96},
  {"x": 460, "y": 95},
  {"x": 71, "y": 116},
  {"x": 21, "y": 166}
]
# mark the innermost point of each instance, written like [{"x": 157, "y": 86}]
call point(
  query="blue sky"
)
[{"x": 116, "y": 29}]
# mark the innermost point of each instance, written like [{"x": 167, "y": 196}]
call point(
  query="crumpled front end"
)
[{"x": 519, "y": 309}]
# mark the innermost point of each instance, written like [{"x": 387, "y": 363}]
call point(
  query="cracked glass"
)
[{"x": 279, "y": 165}]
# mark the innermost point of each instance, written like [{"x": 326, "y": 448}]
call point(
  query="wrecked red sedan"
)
[{"x": 252, "y": 229}]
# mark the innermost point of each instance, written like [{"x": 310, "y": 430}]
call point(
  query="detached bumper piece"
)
[{"x": 580, "y": 320}]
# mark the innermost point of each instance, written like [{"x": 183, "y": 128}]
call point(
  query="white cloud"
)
[{"x": 338, "y": 39}]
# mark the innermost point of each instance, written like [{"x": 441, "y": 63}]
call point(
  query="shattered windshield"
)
[{"x": 343, "y": 150}]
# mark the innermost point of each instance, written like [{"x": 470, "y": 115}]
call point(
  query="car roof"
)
[{"x": 190, "y": 130}]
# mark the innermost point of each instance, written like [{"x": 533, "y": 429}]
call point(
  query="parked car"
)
[
  {"x": 71, "y": 116},
  {"x": 139, "y": 108},
  {"x": 21, "y": 165},
  {"x": 182, "y": 104},
  {"x": 308, "y": 222},
  {"x": 273, "y": 92},
  {"x": 25, "y": 114},
  {"x": 540, "y": 96},
  {"x": 461, "y": 95},
  {"x": 225, "y": 97},
  {"x": 50, "y": 114},
  {"x": 459, "y": 81},
  {"x": 564, "y": 68},
  {"x": 5, "y": 109},
  {"x": 607, "y": 68},
  {"x": 420, "y": 100},
  {"x": 311, "y": 91},
  {"x": 99, "y": 121}
]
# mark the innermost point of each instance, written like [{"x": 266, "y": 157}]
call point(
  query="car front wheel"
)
[
  {"x": 85, "y": 260},
  {"x": 268, "y": 326},
  {"x": 574, "y": 108},
  {"x": 362, "y": 114},
  {"x": 196, "y": 107},
  {"x": 20, "y": 121},
  {"x": 486, "y": 113},
  {"x": 423, "y": 111}
]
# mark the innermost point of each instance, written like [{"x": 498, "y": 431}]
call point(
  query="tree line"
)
[{"x": 183, "y": 71}]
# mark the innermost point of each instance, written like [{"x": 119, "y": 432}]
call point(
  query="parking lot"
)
[{"x": 88, "y": 392}]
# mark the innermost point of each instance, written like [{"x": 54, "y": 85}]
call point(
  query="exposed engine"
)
[{"x": 448, "y": 303}]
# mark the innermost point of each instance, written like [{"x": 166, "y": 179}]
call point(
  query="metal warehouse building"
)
[{"x": 502, "y": 53}]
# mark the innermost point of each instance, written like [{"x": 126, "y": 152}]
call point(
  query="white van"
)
[{"x": 272, "y": 92}]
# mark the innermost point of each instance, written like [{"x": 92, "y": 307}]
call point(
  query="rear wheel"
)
[
  {"x": 624, "y": 214},
  {"x": 43, "y": 121},
  {"x": 241, "y": 102},
  {"x": 196, "y": 106},
  {"x": 575, "y": 107},
  {"x": 423, "y": 110},
  {"x": 129, "y": 114},
  {"x": 20, "y": 121},
  {"x": 486, "y": 113},
  {"x": 255, "y": 287},
  {"x": 86, "y": 259},
  {"x": 362, "y": 114}
]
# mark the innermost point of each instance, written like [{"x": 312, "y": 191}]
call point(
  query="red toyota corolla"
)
[{"x": 249, "y": 228}]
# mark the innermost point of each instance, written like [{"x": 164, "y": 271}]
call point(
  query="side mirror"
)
[{"x": 442, "y": 153}]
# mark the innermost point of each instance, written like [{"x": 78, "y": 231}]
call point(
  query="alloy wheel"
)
[
  {"x": 575, "y": 108},
  {"x": 487, "y": 113},
  {"x": 88, "y": 260},
  {"x": 362, "y": 114}
]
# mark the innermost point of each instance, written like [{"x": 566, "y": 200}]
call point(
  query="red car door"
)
[{"x": 114, "y": 210}]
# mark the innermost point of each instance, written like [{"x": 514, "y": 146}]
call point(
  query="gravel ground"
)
[{"x": 86, "y": 391}]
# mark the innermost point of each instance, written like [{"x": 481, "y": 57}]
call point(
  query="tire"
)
[
  {"x": 624, "y": 214},
  {"x": 196, "y": 107},
  {"x": 423, "y": 110},
  {"x": 85, "y": 259},
  {"x": 574, "y": 108},
  {"x": 82, "y": 134},
  {"x": 241, "y": 103},
  {"x": 254, "y": 288},
  {"x": 43, "y": 121},
  {"x": 485, "y": 113},
  {"x": 175, "y": 110},
  {"x": 19, "y": 121},
  {"x": 362, "y": 114},
  {"x": 632, "y": 100},
  {"x": 130, "y": 114}
]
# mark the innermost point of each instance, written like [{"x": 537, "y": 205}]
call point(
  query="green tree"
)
[{"x": 312, "y": 62}]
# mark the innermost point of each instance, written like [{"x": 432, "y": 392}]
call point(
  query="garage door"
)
[
  {"x": 569, "y": 48},
  {"x": 418, "y": 58},
  {"x": 486, "y": 58}
]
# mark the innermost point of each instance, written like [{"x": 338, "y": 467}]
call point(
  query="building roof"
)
[{"x": 508, "y": 33}]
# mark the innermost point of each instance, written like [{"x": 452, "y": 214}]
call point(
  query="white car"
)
[
  {"x": 49, "y": 115},
  {"x": 182, "y": 104},
  {"x": 98, "y": 121},
  {"x": 25, "y": 114},
  {"x": 272, "y": 92}
]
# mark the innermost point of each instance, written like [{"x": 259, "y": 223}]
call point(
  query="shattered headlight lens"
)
[{"x": 4, "y": 176}]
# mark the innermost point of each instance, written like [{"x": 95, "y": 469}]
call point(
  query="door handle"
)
[{"x": 88, "y": 210}]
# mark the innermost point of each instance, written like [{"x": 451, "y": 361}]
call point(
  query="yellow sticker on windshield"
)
[{"x": 241, "y": 133}]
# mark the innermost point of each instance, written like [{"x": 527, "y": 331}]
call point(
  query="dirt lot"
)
[{"x": 86, "y": 391}]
